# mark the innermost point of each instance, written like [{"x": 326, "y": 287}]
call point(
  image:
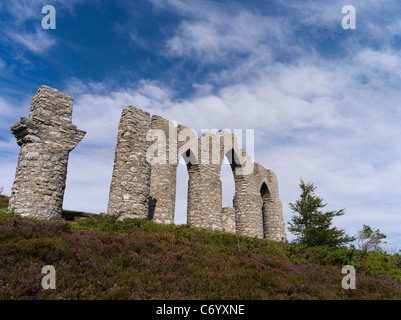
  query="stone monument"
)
[{"x": 46, "y": 138}]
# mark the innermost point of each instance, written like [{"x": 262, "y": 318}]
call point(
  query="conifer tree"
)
[{"x": 313, "y": 226}]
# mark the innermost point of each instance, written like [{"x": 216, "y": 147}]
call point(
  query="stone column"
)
[
  {"x": 247, "y": 201},
  {"x": 275, "y": 227},
  {"x": 247, "y": 204},
  {"x": 266, "y": 182},
  {"x": 163, "y": 174},
  {"x": 204, "y": 196},
  {"x": 130, "y": 184},
  {"x": 204, "y": 185},
  {"x": 46, "y": 139}
]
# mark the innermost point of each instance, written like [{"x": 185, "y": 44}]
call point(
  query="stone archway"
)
[
  {"x": 270, "y": 205},
  {"x": 136, "y": 184}
]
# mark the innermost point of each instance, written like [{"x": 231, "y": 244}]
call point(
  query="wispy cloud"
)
[
  {"x": 8, "y": 112},
  {"x": 219, "y": 37},
  {"x": 37, "y": 42},
  {"x": 209, "y": 35},
  {"x": 23, "y": 10},
  {"x": 21, "y": 23},
  {"x": 99, "y": 112}
]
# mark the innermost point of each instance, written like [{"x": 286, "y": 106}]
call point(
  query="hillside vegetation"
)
[{"x": 96, "y": 257}]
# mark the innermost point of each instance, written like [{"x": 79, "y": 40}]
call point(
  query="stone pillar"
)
[
  {"x": 247, "y": 202},
  {"x": 130, "y": 184},
  {"x": 266, "y": 182},
  {"x": 204, "y": 185},
  {"x": 163, "y": 174},
  {"x": 46, "y": 139},
  {"x": 204, "y": 196},
  {"x": 275, "y": 227}
]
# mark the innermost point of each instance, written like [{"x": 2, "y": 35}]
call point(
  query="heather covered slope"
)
[{"x": 96, "y": 257}]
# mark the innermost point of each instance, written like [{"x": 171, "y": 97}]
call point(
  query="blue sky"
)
[{"x": 324, "y": 102}]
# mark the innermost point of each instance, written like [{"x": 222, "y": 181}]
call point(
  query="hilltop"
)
[{"x": 97, "y": 257}]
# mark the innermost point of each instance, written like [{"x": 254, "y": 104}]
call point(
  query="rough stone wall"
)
[
  {"x": 204, "y": 187},
  {"x": 275, "y": 222},
  {"x": 228, "y": 219},
  {"x": 163, "y": 174},
  {"x": 130, "y": 184},
  {"x": 46, "y": 139},
  {"x": 247, "y": 204},
  {"x": 204, "y": 197}
]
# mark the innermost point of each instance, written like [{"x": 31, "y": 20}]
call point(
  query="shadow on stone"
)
[{"x": 152, "y": 207}]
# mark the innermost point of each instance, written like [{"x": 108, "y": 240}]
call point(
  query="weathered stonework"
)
[
  {"x": 145, "y": 169},
  {"x": 204, "y": 197},
  {"x": 228, "y": 219},
  {"x": 130, "y": 184},
  {"x": 273, "y": 223},
  {"x": 163, "y": 176},
  {"x": 46, "y": 139}
]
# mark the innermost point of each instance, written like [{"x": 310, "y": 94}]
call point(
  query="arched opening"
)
[
  {"x": 227, "y": 194},
  {"x": 266, "y": 200},
  {"x": 227, "y": 184},
  {"x": 181, "y": 195}
]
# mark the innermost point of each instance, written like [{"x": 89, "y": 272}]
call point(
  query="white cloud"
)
[
  {"x": 23, "y": 10},
  {"x": 99, "y": 114},
  {"x": 88, "y": 180},
  {"x": 219, "y": 37},
  {"x": 19, "y": 29},
  {"x": 8, "y": 112},
  {"x": 215, "y": 33},
  {"x": 38, "y": 42},
  {"x": 8, "y": 161},
  {"x": 380, "y": 65},
  {"x": 5, "y": 107}
]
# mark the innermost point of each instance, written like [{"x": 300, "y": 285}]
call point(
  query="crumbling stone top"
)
[
  {"x": 49, "y": 120},
  {"x": 51, "y": 104}
]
